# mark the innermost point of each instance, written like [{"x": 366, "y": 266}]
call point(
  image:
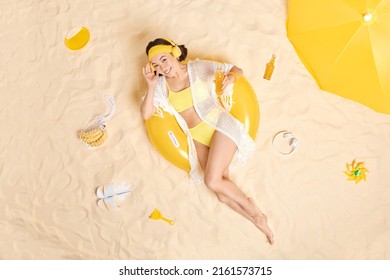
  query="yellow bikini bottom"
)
[{"x": 202, "y": 133}]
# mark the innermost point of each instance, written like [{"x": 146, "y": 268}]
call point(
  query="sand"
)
[{"x": 48, "y": 178}]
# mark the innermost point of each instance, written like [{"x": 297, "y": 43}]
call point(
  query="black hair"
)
[{"x": 161, "y": 41}]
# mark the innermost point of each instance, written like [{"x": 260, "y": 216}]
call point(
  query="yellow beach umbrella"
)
[{"x": 345, "y": 46}]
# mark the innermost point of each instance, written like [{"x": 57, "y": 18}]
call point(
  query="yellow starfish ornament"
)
[{"x": 356, "y": 171}]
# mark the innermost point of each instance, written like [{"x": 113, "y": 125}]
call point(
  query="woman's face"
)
[{"x": 165, "y": 64}]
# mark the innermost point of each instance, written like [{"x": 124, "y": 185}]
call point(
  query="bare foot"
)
[{"x": 261, "y": 221}]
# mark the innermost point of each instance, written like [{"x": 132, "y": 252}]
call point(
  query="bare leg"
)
[
  {"x": 220, "y": 154},
  {"x": 261, "y": 221},
  {"x": 203, "y": 152}
]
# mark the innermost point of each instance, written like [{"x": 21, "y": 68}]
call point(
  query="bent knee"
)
[{"x": 213, "y": 182}]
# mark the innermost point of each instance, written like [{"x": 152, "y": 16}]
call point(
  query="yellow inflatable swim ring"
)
[{"x": 169, "y": 140}]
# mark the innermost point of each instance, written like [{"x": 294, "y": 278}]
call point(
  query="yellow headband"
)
[{"x": 157, "y": 49}]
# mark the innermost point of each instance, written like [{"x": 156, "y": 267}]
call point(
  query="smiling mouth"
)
[{"x": 168, "y": 71}]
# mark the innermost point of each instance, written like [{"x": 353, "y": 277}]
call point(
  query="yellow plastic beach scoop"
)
[{"x": 156, "y": 215}]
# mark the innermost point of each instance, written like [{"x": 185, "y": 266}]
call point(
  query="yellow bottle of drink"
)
[
  {"x": 219, "y": 76},
  {"x": 269, "y": 69}
]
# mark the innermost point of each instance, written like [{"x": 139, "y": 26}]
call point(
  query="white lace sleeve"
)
[{"x": 160, "y": 99}]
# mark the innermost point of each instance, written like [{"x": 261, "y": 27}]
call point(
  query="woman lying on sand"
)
[{"x": 215, "y": 136}]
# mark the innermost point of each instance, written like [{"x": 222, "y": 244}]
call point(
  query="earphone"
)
[
  {"x": 176, "y": 51},
  {"x": 292, "y": 141}
]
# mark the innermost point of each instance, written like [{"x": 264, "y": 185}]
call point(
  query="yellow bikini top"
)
[{"x": 181, "y": 100}]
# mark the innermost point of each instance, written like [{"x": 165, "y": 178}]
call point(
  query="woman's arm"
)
[
  {"x": 147, "y": 108},
  {"x": 234, "y": 74}
]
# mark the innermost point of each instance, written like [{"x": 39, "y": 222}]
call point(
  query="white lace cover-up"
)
[{"x": 201, "y": 76}]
